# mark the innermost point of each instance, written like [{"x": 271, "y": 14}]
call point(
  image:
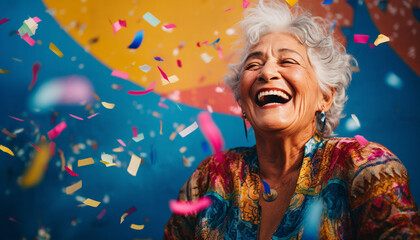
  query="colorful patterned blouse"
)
[{"x": 363, "y": 191}]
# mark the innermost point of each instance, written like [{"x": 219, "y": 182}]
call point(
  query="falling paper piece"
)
[
  {"x": 381, "y": 39},
  {"x": 158, "y": 59},
  {"x": 139, "y": 137},
  {"x": 63, "y": 160},
  {"x": 138, "y": 39},
  {"x": 85, "y": 162},
  {"x": 189, "y": 208},
  {"x": 6, "y": 150},
  {"x": 128, "y": 212},
  {"x": 119, "y": 74},
  {"x": 108, "y": 105},
  {"x": 13, "y": 220},
  {"x": 169, "y": 26},
  {"x": 52, "y": 148},
  {"x": 74, "y": 187},
  {"x": 135, "y": 134},
  {"x": 291, "y": 2},
  {"x": 189, "y": 129},
  {"x": 145, "y": 68},
  {"x": 178, "y": 62},
  {"x": 121, "y": 142},
  {"x": 118, "y": 149},
  {"x": 36, "y": 147},
  {"x": 4, "y": 71},
  {"x": 118, "y": 25},
  {"x": 107, "y": 159},
  {"x": 29, "y": 26},
  {"x": 140, "y": 92},
  {"x": 101, "y": 214},
  {"x": 206, "y": 58},
  {"x": 4, "y": 20},
  {"x": 163, "y": 74},
  {"x": 160, "y": 131},
  {"x": 211, "y": 132},
  {"x": 360, "y": 38},
  {"x": 245, "y": 3},
  {"x": 136, "y": 227},
  {"x": 74, "y": 116},
  {"x": 91, "y": 202},
  {"x": 355, "y": 119},
  {"x": 28, "y": 39},
  {"x": 163, "y": 105},
  {"x": 171, "y": 79},
  {"x": 392, "y": 80},
  {"x": 229, "y": 9},
  {"x": 361, "y": 140},
  {"x": 71, "y": 172},
  {"x": 53, "y": 133},
  {"x": 56, "y": 50},
  {"x": 91, "y": 116},
  {"x": 16, "y": 118},
  {"x": 35, "y": 70},
  {"x": 151, "y": 19},
  {"x": 327, "y": 2},
  {"x": 134, "y": 165},
  {"x": 8, "y": 133},
  {"x": 36, "y": 168}
]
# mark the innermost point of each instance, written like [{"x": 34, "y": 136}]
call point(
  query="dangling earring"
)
[
  {"x": 322, "y": 118},
  {"x": 246, "y": 131}
]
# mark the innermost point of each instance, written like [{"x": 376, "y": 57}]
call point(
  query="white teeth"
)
[{"x": 273, "y": 92}]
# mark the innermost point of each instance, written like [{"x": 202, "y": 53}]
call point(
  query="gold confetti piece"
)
[
  {"x": 381, "y": 39},
  {"x": 8, "y": 133},
  {"x": 171, "y": 79},
  {"x": 172, "y": 136},
  {"x": 108, "y": 105},
  {"x": 63, "y": 160},
  {"x": 74, "y": 187},
  {"x": 85, "y": 162},
  {"x": 55, "y": 50},
  {"x": 291, "y": 2},
  {"x": 134, "y": 164},
  {"x": 160, "y": 132},
  {"x": 96, "y": 97},
  {"x": 107, "y": 164},
  {"x": 122, "y": 217},
  {"x": 118, "y": 149},
  {"x": 6, "y": 150},
  {"x": 4, "y": 71},
  {"x": 156, "y": 114},
  {"x": 180, "y": 128},
  {"x": 137, "y": 227},
  {"x": 186, "y": 163},
  {"x": 91, "y": 202},
  {"x": 16, "y": 59}
]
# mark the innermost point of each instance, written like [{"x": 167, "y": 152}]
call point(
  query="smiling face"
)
[{"x": 279, "y": 91}]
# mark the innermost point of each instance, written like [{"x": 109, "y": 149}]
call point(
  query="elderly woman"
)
[{"x": 296, "y": 182}]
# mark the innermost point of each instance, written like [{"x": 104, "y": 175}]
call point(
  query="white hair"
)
[{"x": 332, "y": 65}]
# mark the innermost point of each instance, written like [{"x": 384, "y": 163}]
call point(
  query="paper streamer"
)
[
  {"x": 28, "y": 39},
  {"x": 138, "y": 39},
  {"x": 362, "y": 141},
  {"x": 56, "y": 50},
  {"x": 360, "y": 38},
  {"x": 189, "y": 208},
  {"x": 74, "y": 187},
  {"x": 140, "y": 92},
  {"x": 76, "y": 117},
  {"x": 21, "y": 120},
  {"x": 139, "y": 137},
  {"x": 189, "y": 129},
  {"x": 135, "y": 134},
  {"x": 151, "y": 19},
  {"x": 211, "y": 132},
  {"x": 53, "y": 133},
  {"x": 71, "y": 172},
  {"x": 37, "y": 166},
  {"x": 6, "y": 150},
  {"x": 91, "y": 116},
  {"x": 158, "y": 59},
  {"x": 119, "y": 74},
  {"x": 52, "y": 146},
  {"x": 163, "y": 74},
  {"x": 4, "y": 71},
  {"x": 35, "y": 70},
  {"x": 179, "y": 63},
  {"x": 134, "y": 165}
]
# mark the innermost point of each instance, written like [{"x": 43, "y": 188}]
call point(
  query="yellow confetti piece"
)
[
  {"x": 156, "y": 114},
  {"x": 122, "y": 217},
  {"x": 91, "y": 202},
  {"x": 160, "y": 131},
  {"x": 108, "y": 105},
  {"x": 107, "y": 164},
  {"x": 291, "y": 2},
  {"x": 4, "y": 71},
  {"x": 172, "y": 136},
  {"x": 85, "y": 162},
  {"x": 171, "y": 79},
  {"x": 381, "y": 39},
  {"x": 6, "y": 150},
  {"x": 55, "y": 50},
  {"x": 74, "y": 187},
  {"x": 118, "y": 149},
  {"x": 136, "y": 227},
  {"x": 36, "y": 168}
]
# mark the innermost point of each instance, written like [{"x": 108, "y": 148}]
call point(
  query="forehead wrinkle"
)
[{"x": 256, "y": 54}]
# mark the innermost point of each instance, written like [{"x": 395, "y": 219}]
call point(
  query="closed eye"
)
[{"x": 250, "y": 66}]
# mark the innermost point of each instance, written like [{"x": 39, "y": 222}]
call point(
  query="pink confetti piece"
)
[
  {"x": 28, "y": 39},
  {"x": 219, "y": 49},
  {"x": 91, "y": 116},
  {"x": 118, "y": 25},
  {"x": 179, "y": 63},
  {"x": 71, "y": 172},
  {"x": 245, "y": 3},
  {"x": 35, "y": 70},
  {"x": 163, "y": 105},
  {"x": 13, "y": 220},
  {"x": 101, "y": 214},
  {"x": 169, "y": 26},
  {"x": 36, "y": 147},
  {"x": 21, "y": 120},
  {"x": 52, "y": 148},
  {"x": 36, "y": 19},
  {"x": 371, "y": 45},
  {"x": 139, "y": 92},
  {"x": 53, "y": 133},
  {"x": 163, "y": 74},
  {"x": 189, "y": 208},
  {"x": 228, "y": 9},
  {"x": 360, "y": 38},
  {"x": 205, "y": 42},
  {"x": 362, "y": 141},
  {"x": 74, "y": 116},
  {"x": 119, "y": 74},
  {"x": 135, "y": 133},
  {"x": 198, "y": 44},
  {"x": 210, "y": 131},
  {"x": 131, "y": 210},
  {"x": 4, "y": 20},
  {"x": 121, "y": 142}
]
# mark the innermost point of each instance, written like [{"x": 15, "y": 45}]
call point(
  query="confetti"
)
[
  {"x": 16, "y": 118},
  {"x": 121, "y": 142},
  {"x": 36, "y": 147},
  {"x": 171, "y": 79},
  {"x": 52, "y": 148},
  {"x": 74, "y": 116},
  {"x": 393, "y": 80},
  {"x": 245, "y": 3},
  {"x": 189, "y": 207},
  {"x": 119, "y": 74},
  {"x": 8, "y": 133},
  {"x": 108, "y": 160},
  {"x": 128, "y": 212},
  {"x": 291, "y": 2},
  {"x": 179, "y": 63},
  {"x": 136, "y": 227},
  {"x": 172, "y": 136},
  {"x": 91, "y": 116},
  {"x": 53, "y": 133},
  {"x": 6, "y": 150},
  {"x": 108, "y": 105},
  {"x": 160, "y": 131},
  {"x": 36, "y": 168},
  {"x": 163, "y": 74},
  {"x": 28, "y": 39},
  {"x": 35, "y": 70},
  {"x": 4, "y": 20},
  {"x": 219, "y": 49},
  {"x": 211, "y": 131},
  {"x": 360, "y": 38},
  {"x": 206, "y": 58},
  {"x": 169, "y": 26},
  {"x": 13, "y": 220},
  {"x": 153, "y": 154},
  {"x": 145, "y": 68},
  {"x": 56, "y": 50},
  {"x": 151, "y": 19},
  {"x": 135, "y": 134},
  {"x": 118, "y": 149},
  {"x": 101, "y": 214},
  {"x": 139, "y": 137},
  {"x": 189, "y": 129},
  {"x": 163, "y": 105},
  {"x": 158, "y": 59},
  {"x": 4, "y": 71},
  {"x": 361, "y": 140},
  {"x": 134, "y": 164},
  {"x": 327, "y": 2},
  {"x": 91, "y": 202},
  {"x": 72, "y": 173},
  {"x": 355, "y": 119},
  {"x": 118, "y": 25},
  {"x": 85, "y": 162},
  {"x": 138, "y": 39},
  {"x": 228, "y": 9},
  {"x": 381, "y": 39}
]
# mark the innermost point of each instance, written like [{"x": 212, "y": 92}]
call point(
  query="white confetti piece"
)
[
  {"x": 151, "y": 19},
  {"x": 133, "y": 167},
  {"x": 145, "y": 68},
  {"x": 206, "y": 58},
  {"x": 189, "y": 129}
]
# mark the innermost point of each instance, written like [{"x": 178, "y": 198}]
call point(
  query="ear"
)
[{"x": 327, "y": 100}]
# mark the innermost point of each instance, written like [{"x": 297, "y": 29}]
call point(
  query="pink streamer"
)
[
  {"x": 163, "y": 105},
  {"x": 71, "y": 172},
  {"x": 74, "y": 116},
  {"x": 121, "y": 142},
  {"x": 170, "y": 26},
  {"x": 35, "y": 70},
  {"x": 91, "y": 116},
  {"x": 139, "y": 92},
  {"x": 210, "y": 131},
  {"x": 119, "y": 74},
  {"x": 101, "y": 214},
  {"x": 28, "y": 39},
  {"x": 53, "y": 133},
  {"x": 361, "y": 140},
  {"x": 189, "y": 208},
  {"x": 163, "y": 74},
  {"x": 135, "y": 134},
  {"x": 360, "y": 38},
  {"x": 16, "y": 118}
]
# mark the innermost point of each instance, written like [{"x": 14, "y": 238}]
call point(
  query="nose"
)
[{"x": 269, "y": 72}]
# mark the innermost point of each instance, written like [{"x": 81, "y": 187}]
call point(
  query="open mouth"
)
[{"x": 270, "y": 97}]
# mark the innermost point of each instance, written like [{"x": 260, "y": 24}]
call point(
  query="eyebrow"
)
[{"x": 260, "y": 54}]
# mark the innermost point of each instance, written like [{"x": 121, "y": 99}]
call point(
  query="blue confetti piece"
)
[
  {"x": 266, "y": 187},
  {"x": 327, "y": 2},
  {"x": 205, "y": 147},
  {"x": 138, "y": 39},
  {"x": 158, "y": 59},
  {"x": 392, "y": 80},
  {"x": 217, "y": 40},
  {"x": 153, "y": 154}
]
